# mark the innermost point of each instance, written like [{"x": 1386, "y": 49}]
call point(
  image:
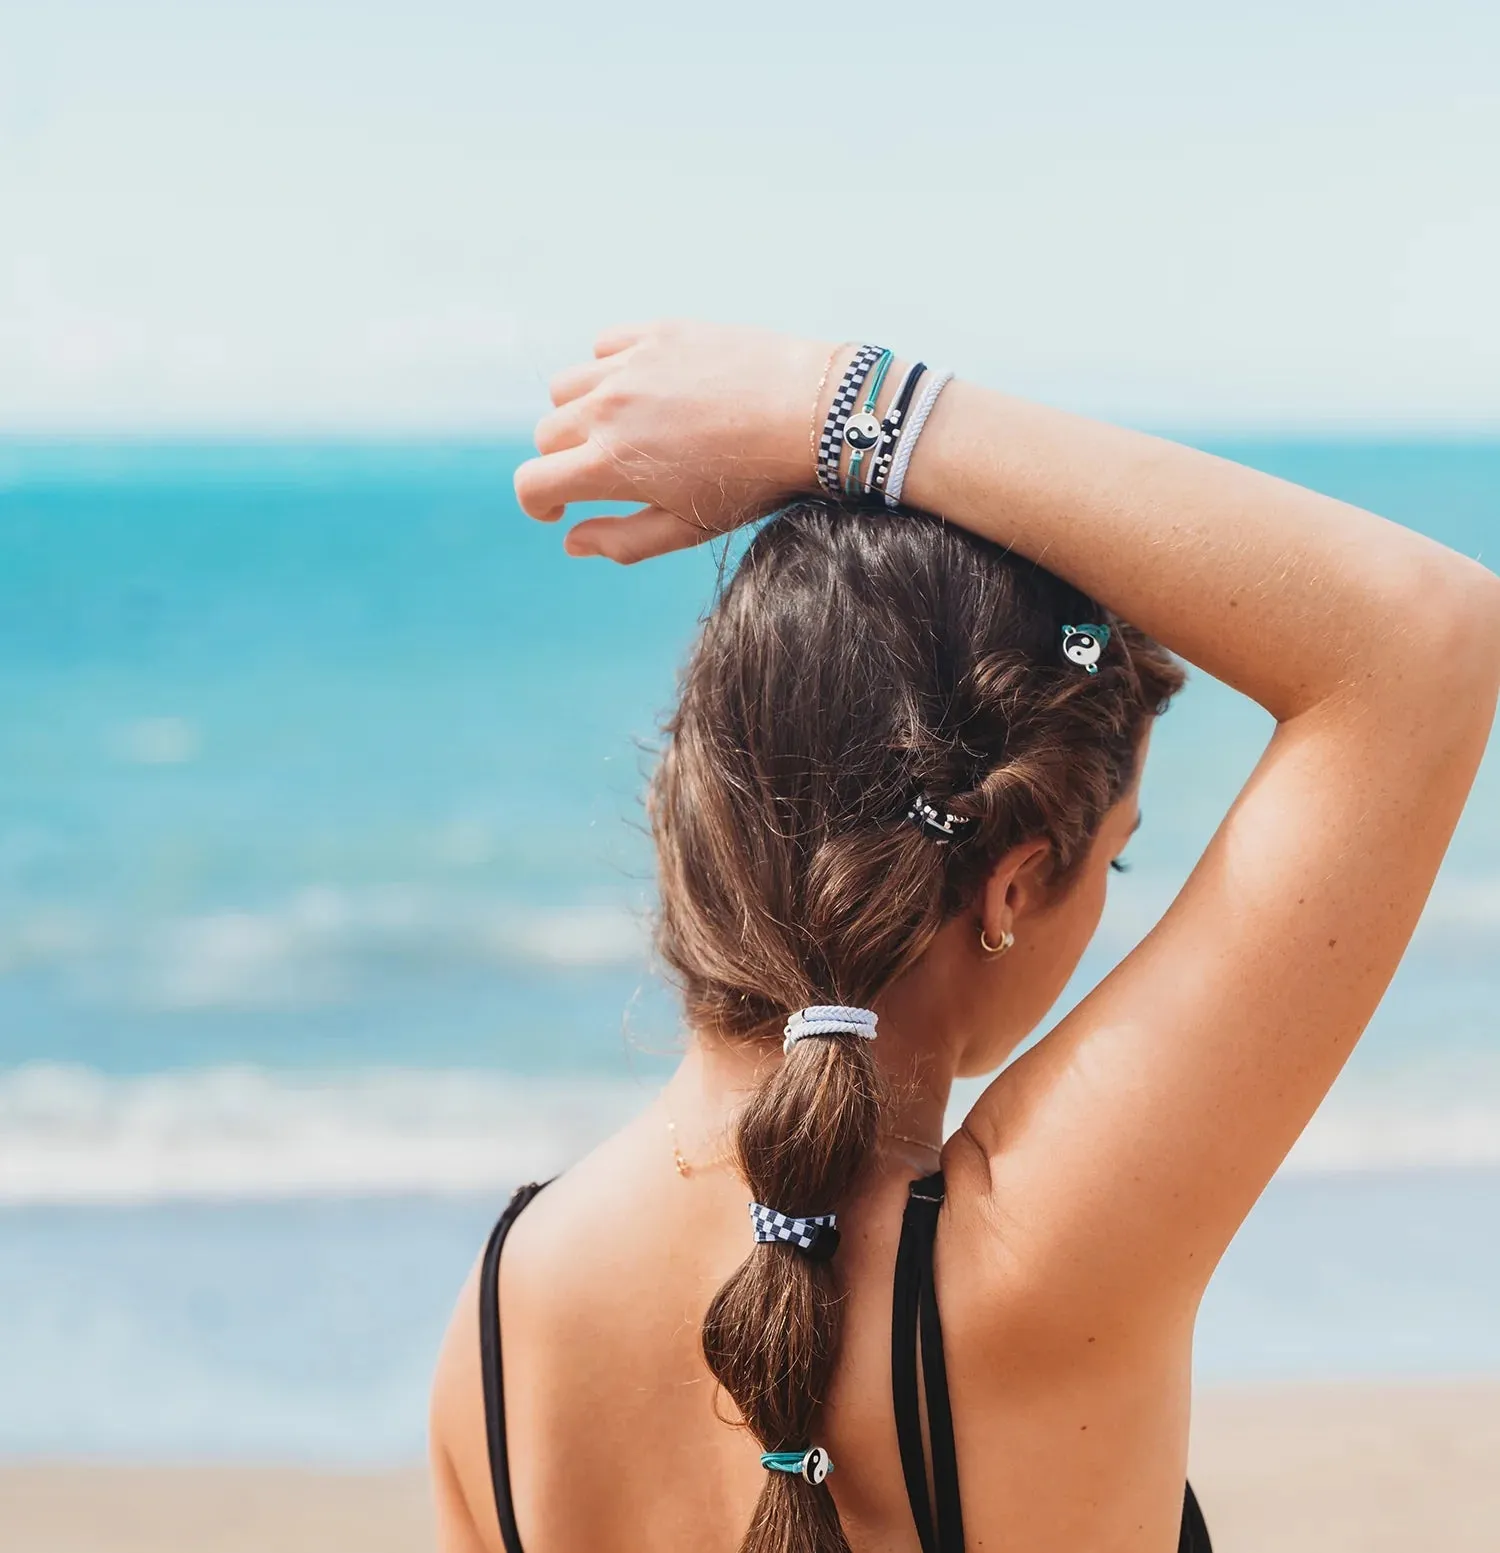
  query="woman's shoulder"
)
[
  {"x": 1017, "y": 1281},
  {"x": 537, "y": 1266}
]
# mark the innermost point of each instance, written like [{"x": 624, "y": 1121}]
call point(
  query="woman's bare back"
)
[{"x": 617, "y": 1435}]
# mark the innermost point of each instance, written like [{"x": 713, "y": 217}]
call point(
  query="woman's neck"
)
[{"x": 716, "y": 1077}]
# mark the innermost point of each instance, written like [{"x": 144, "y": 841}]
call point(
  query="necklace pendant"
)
[{"x": 679, "y": 1160}]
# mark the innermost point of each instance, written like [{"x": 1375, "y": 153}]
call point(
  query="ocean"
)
[{"x": 323, "y": 921}]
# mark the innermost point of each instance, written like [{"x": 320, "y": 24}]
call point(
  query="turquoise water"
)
[{"x": 321, "y": 877}]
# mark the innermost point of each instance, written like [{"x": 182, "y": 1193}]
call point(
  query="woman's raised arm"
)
[
  {"x": 1136, "y": 1136},
  {"x": 1145, "y": 1125}
]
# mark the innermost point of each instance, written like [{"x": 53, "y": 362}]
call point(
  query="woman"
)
[{"x": 894, "y": 786}]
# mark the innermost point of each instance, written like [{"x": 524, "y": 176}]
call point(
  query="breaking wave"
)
[
  {"x": 316, "y": 946},
  {"x": 74, "y": 1135}
]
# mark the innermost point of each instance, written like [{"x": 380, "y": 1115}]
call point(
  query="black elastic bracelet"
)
[
  {"x": 831, "y": 443},
  {"x": 890, "y": 430}
]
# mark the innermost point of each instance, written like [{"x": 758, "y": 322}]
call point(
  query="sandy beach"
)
[{"x": 1337, "y": 1469}]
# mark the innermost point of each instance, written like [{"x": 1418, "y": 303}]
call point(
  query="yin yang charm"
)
[
  {"x": 1084, "y": 645},
  {"x": 816, "y": 1464},
  {"x": 862, "y": 431}
]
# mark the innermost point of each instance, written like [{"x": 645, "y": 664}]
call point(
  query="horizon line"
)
[{"x": 1351, "y": 429}]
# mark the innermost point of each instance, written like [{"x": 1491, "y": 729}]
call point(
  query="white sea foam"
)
[
  {"x": 316, "y": 946},
  {"x": 72, "y": 1135},
  {"x": 312, "y": 947},
  {"x": 1430, "y": 1113}
]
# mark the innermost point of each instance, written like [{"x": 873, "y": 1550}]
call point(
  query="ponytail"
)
[
  {"x": 771, "y": 1334},
  {"x": 875, "y": 711}
]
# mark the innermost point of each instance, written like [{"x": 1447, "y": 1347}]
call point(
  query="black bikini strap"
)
[
  {"x": 914, "y": 1317},
  {"x": 906, "y": 1302},
  {"x": 950, "y": 1515},
  {"x": 491, "y": 1368},
  {"x": 1193, "y": 1538}
]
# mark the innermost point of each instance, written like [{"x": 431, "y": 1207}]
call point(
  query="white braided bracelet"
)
[{"x": 912, "y": 430}]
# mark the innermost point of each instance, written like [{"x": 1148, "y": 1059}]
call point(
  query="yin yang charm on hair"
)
[
  {"x": 812, "y": 1465},
  {"x": 862, "y": 431},
  {"x": 1084, "y": 645}
]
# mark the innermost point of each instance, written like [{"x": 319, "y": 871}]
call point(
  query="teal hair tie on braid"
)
[{"x": 812, "y": 1465}]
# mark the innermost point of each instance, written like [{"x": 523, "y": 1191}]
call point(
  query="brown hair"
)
[{"x": 854, "y": 660}]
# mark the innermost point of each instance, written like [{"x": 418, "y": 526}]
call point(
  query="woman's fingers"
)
[
  {"x": 636, "y": 537},
  {"x": 620, "y": 338},
  {"x": 545, "y": 486},
  {"x": 574, "y": 382},
  {"x": 559, "y": 431}
]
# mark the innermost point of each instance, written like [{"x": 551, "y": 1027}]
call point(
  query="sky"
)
[{"x": 329, "y": 217}]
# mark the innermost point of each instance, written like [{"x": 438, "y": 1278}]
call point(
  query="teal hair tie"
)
[
  {"x": 812, "y": 1465},
  {"x": 862, "y": 431},
  {"x": 1084, "y": 645}
]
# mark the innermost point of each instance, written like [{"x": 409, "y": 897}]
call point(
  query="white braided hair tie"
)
[
  {"x": 896, "y": 480},
  {"x": 828, "y": 1019}
]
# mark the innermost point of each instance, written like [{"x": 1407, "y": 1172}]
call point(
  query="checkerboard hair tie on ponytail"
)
[
  {"x": 828, "y": 1019},
  {"x": 816, "y": 1236}
]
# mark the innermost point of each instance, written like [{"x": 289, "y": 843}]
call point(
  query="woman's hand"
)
[{"x": 706, "y": 426}]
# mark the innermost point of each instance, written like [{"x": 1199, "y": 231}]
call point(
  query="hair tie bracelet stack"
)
[{"x": 861, "y": 430}]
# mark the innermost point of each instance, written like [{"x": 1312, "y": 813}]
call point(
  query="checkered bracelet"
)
[{"x": 831, "y": 443}]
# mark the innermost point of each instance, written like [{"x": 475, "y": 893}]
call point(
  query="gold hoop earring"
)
[{"x": 1007, "y": 941}]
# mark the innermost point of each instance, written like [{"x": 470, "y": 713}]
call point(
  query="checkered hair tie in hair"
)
[
  {"x": 816, "y": 1237},
  {"x": 828, "y": 1019}
]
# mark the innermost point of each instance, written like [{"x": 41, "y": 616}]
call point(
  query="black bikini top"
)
[{"x": 914, "y": 1326}]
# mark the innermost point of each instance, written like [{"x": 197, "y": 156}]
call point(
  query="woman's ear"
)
[{"x": 1015, "y": 889}]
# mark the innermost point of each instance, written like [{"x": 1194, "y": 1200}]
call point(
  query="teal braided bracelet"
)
[
  {"x": 813, "y": 1464},
  {"x": 862, "y": 431}
]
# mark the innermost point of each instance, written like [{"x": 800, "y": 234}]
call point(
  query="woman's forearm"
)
[
  {"x": 1289, "y": 596},
  {"x": 1286, "y": 595}
]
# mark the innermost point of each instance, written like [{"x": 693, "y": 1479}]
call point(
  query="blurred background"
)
[{"x": 323, "y": 891}]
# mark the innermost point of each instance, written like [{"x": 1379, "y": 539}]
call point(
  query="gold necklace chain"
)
[{"x": 686, "y": 1168}]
